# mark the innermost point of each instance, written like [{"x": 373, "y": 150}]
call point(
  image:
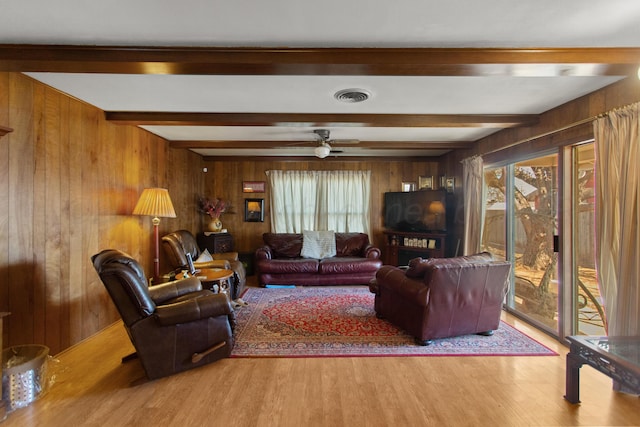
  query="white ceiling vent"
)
[{"x": 352, "y": 95}]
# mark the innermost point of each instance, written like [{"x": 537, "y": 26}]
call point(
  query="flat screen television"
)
[{"x": 416, "y": 211}]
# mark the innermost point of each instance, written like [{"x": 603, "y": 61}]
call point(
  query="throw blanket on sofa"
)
[{"x": 318, "y": 244}]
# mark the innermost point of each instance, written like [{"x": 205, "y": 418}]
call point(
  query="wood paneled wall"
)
[
  {"x": 224, "y": 180},
  {"x": 68, "y": 183}
]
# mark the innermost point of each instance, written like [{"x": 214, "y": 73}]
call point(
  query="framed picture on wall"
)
[
  {"x": 253, "y": 186},
  {"x": 254, "y": 210},
  {"x": 425, "y": 183}
]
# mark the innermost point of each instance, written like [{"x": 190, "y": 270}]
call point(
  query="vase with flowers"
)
[{"x": 214, "y": 208}]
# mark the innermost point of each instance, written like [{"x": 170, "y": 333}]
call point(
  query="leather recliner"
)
[
  {"x": 443, "y": 297},
  {"x": 181, "y": 242},
  {"x": 173, "y": 326}
]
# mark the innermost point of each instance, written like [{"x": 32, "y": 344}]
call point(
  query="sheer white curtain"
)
[
  {"x": 319, "y": 200},
  {"x": 617, "y": 143},
  {"x": 473, "y": 199}
]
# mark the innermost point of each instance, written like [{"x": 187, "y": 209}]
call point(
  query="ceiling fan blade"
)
[
  {"x": 321, "y": 136},
  {"x": 331, "y": 141},
  {"x": 345, "y": 141},
  {"x": 300, "y": 143}
]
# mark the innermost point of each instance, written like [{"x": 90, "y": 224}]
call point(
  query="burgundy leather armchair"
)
[
  {"x": 173, "y": 326},
  {"x": 443, "y": 297},
  {"x": 181, "y": 242}
]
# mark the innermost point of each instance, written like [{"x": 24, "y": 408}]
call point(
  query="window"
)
[{"x": 319, "y": 200}]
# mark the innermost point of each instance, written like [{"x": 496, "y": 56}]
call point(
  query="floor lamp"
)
[{"x": 155, "y": 202}]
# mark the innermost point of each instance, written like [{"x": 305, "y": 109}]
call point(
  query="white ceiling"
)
[{"x": 283, "y": 24}]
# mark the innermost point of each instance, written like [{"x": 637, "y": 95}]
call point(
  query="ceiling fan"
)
[{"x": 324, "y": 149}]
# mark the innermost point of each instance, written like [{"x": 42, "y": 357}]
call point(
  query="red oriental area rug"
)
[{"x": 341, "y": 322}]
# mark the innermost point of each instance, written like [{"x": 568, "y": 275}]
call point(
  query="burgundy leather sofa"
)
[
  {"x": 443, "y": 297},
  {"x": 279, "y": 262}
]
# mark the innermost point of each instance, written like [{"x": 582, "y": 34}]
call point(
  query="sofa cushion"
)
[
  {"x": 348, "y": 265},
  {"x": 351, "y": 244},
  {"x": 318, "y": 244},
  {"x": 284, "y": 245},
  {"x": 288, "y": 266}
]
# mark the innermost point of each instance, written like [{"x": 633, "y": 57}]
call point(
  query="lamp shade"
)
[
  {"x": 323, "y": 150},
  {"x": 155, "y": 202}
]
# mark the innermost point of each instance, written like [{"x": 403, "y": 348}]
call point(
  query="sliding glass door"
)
[
  {"x": 523, "y": 217},
  {"x": 535, "y": 223},
  {"x": 521, "y": 220}
]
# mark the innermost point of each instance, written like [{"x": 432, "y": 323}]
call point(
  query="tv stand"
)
[{"x": 402, "y": 246}]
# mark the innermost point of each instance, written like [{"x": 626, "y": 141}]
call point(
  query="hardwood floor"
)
[{"x": 93, "y": 388}]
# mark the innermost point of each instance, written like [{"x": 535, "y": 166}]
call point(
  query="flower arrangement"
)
[{"x": 214, "y": 208}]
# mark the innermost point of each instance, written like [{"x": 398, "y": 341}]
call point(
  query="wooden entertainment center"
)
[{"x": 402, "y": 246}]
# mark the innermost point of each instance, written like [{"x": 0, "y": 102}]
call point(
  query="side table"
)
[
  {"x": 215, "y": 243},
  {"x": 211, "y": 277},
  {"x": 616, "y": 357}
]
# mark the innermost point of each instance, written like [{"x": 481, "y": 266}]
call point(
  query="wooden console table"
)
[
  {"x": 617, "y": 357},
  {"x": 402, "y": 246}
]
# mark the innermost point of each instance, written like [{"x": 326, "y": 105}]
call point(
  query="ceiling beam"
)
[
  {"x": 371, "y": 145},
  {"x": 320, "y": 61},
  {"x": 313, "y": 119},
  {"x": 330, "y": 158}
]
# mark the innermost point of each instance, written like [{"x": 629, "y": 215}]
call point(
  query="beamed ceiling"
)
[{"x": 437, "y": 79}]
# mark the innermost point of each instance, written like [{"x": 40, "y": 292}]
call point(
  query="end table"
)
[{"x": 215, "y": 243}]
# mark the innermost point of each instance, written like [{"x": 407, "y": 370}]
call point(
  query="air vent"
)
[{"x": 352, "y": 95}]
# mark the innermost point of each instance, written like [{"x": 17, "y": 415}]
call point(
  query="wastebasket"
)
[
  {"x": 24, "y": 374},
  {"x": 247, "y": 261}
]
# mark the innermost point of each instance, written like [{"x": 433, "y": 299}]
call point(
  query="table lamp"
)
[{"x": 155, "y": 202}]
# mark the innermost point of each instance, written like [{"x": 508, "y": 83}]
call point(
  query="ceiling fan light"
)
[{"x": 322, "y": 150}]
